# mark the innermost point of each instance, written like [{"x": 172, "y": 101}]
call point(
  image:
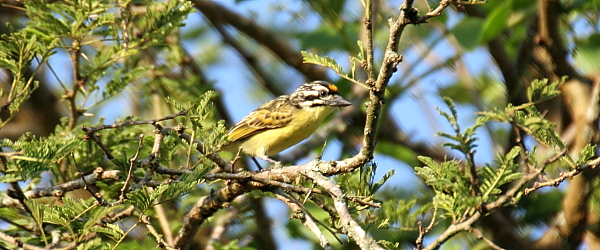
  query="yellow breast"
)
[{"x": 273, "y": 141}]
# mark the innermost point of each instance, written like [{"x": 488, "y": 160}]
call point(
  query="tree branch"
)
[
  {"x": 306, "y": 220},
  {"x": 563, "y": 176},
  {"x": 219, "y": 14},
  {"x": 508, "y": 197},
  {"x": 351, "y": 227},
  {"x": 206, "y": 207}
]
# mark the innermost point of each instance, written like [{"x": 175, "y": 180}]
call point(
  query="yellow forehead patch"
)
[{"x": 333, "y": 87}]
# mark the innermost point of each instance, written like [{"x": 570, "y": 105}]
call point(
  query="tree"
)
[{"x": 525, "y": 73}]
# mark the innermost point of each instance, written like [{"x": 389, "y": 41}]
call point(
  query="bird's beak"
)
[{"x": 339, "y": 101}]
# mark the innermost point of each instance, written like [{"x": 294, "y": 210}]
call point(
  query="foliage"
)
[
  {"x": 153, "y": 176},
  {"x": 19, "y": 49}
]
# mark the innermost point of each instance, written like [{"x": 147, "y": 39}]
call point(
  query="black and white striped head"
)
[{"x": 317, "y": 93}]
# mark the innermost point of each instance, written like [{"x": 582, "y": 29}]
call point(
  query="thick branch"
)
[
  {"x": 205, "y": 208},
  {"x": 306, "y": 219},
  {"x": 60, "y": 190},
  {"x": 217, "y": 13},
  {"x": 351, "y": 227},
  {"x": 571, "y": 222},
  {"x": 551, "y": 38},
  {"x": 14, "y": 241}
]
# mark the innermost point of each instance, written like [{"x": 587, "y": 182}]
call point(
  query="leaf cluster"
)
[
  {"x": 451, "y": 181},
  {"x": 33, "y": 155},
  {"x": 20, "y": 51},
  {"x": 104, "y": 41}
]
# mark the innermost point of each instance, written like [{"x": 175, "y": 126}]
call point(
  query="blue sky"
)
[
  {"x": 415, "y": 111},
  {"x": 409, "y": 110}
]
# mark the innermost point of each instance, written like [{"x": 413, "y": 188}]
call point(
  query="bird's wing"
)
[{"x": 271, "y": 115}]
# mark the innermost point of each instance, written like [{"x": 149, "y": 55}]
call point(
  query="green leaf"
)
[
  {"x": 140, "y": 199},
  {"x": 496, "y": 22},
  {"x": 587, "y": 52},
  {"x": 496, "y": 115},
  {"x": 38, "y": 153},
  {"x": 540, "y": 90},
  {"x": 533, "y": 123},
  {"x": 37, "y": 212},
  {"x": 332, "y": 64},
  {"x": 396, "y": 151},
  {"x": 323, "y": 61},
  {"x": 69, "y": 212},
  {"x": 376, "y": 186},
  {"x": 143, "y": 199},
  {"x": 468, "y": 32},
  {"x": 19, "y": 49},
  {"x": 494, "y": 177},
  {"x": 180, "y": 187},
  {"x": 330, "y": 10},
  {"x": 122, "y": 78},
  {"x": 94, "y": 217},
  {"x": 96, "y": 243},
  {"x": 111, "y": 230},
  {"x": 458, "y": 93},
  {"x": 10, "y": 177},
  {"x": 586, "y": 153}
]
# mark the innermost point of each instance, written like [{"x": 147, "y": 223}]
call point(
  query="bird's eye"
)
[{"x": 322, "y": 93}]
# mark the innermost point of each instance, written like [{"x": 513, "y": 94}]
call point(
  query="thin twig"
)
[
  {"x": 17, "y": 242},
  {"x": 250, "y": 176},
  {"x": 523, "y": 152},
  {"x": 362, "y": 202},
  {"x": 159, "y": 135},
  {"x": 125, "y": 235},
  {"x": 126, "y": 212},
  {"x": 473, "y": 178},
  {"x": 96, "y": 139},
  {"x": 78, "y": 82},
  {"x": 16, "y": 191},
  {"x": 237, "y": 157},
  {"x": 9, "y": 155},
  {"x": 593, "y": 164},
  {"x": 205, "y": 207},
  {"x": 465, "y": 224},
  {"x": 306, "y": 220},
  {"x": 200, "y": 148},
  {"x": 480, "y": 235},
  {"x": 88, "y": 187},
  {"x": 159, "y": 239},
  {"x": 308, "y": 194},
  {"x": 419, "y": 240},
  {"x": 452, "y": 230},
  {"x": 60, "y": 190},
  {"x": 369, "y": 23},
  {"x": 333, "y": 215},
  {"x": 423, "y": 232},
  {"x": 90, "y": 130},
  {"x": 220, "y": 226},
  {"x": 130, "y": 171},
  {"x": 437, "y": 11}
]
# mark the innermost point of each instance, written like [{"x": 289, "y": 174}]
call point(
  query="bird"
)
[{"x": 284, "y": 121}]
